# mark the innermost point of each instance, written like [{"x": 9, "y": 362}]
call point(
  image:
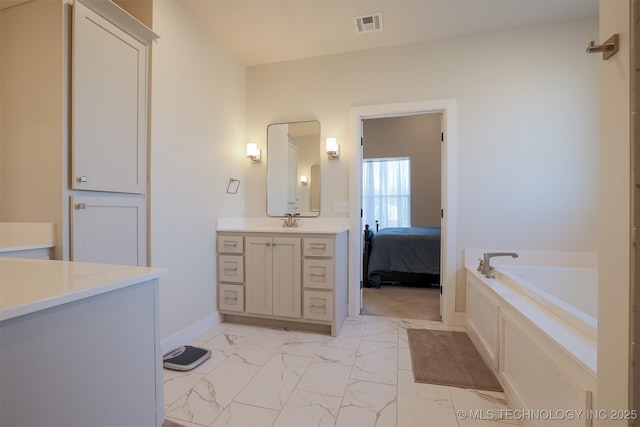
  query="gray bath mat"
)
[{"x": 449, "y": 358}]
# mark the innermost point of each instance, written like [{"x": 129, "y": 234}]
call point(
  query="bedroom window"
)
[{"x": 386, "y": 192}]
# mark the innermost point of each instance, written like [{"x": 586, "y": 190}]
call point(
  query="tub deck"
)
[{"x": 542, "y": 361}]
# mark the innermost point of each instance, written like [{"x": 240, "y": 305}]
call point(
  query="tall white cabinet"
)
[
  {"x": 82, "y": 165},
  {"x": 109, "y": 136},
  {"x": 109, "y": 142}
]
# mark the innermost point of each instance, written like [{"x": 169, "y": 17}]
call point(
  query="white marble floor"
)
[{"x": 272, "y": 377}]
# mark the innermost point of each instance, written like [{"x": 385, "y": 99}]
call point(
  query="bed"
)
[{"x": 401, "y": 255}]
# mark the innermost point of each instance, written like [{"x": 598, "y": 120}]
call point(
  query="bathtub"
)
[
  {"x": 536, "y": 325},
  {"x": 570, "y": 293}
]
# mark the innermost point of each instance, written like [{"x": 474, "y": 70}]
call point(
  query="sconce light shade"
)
[
  {"x": 333, "y": 149},
  {"x": 304, "y": 180},
  {"x": 253, "y": 152}
]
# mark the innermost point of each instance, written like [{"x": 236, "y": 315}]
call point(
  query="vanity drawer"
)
[
  {"x": 318, "y": 273},
  {"x": 318, "y": 247},
  {"x": 231, "y": 297},
  {"x": 318, "y": 305},
  {"x": 231, "y": 268},
  {"x": 230, "y": 244}
]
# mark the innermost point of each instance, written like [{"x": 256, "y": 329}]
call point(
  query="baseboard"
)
[{"x": 191, "y": 332}]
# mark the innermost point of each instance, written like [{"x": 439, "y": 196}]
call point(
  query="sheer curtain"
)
[{"x": 386, "y": 192}]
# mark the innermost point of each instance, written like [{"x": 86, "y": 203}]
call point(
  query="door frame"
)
[{"x": 447, "y": 107}]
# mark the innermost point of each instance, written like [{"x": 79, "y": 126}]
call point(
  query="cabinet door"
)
[
  {"x": 286, "y": 277},
  {"x": 108, "y": 230},
  {"x": 258, "y": 296},
  {"x": 109, "y": 148}
]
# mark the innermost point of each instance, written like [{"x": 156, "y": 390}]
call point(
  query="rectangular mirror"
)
[{"x": 293, "y": 169}]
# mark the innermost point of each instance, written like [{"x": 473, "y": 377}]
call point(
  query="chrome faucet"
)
[
  {"x": 487, "y": 270},
  {"x": 290, "y": 221}
]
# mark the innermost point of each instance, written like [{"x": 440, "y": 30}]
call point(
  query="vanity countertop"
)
[
  {"x": 19, "y": 236},
  {"x": 31, "y": 285},
  {"x": 274, "y": 225}
]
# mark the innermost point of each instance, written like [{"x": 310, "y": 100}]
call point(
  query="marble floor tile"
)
[
  {"x": 489, "y": 406},
  {"x": 325, "y": 377},
  {"x": 381, "y": 329},
  {"x": 376, "y": 361},
  {"x": 404, "y": 359},
  {"x": 177, "y": 383},
  {"x": 302, "y": 344},
  {"x": 353, "y": 326},
  {"x": 239, "y": 415},
  {"x": 207, "y": 399},
  {"x": 182, "y": 422},
  {"x": 347, "y": 343},
  {"x": 423, "y": 404},
  {"x": 259, "y": 347},
  {"x": 273, "y": 384},
  {"x": 267, "y": 376},
  {"x": 309, "y": 409},
  {"x": 368, "y": 404}
]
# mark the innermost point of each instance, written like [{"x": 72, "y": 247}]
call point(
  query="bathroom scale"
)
[{"x": 185, "y": 358}]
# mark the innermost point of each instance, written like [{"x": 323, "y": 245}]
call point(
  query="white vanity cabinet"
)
[
  {"x": 290, "y": 278},
  {"x": 231, "y": 273},
  {"x": 318, "y": 278},
  {"x": 273, "y": 276}
]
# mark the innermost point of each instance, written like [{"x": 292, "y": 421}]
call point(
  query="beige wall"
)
[
  {"x": 416, "y": 137},
  {"x": 197, "y": 144},
  {"x": 527, "y": 127},
  {"x": 142, "y": 10},
  {"x": 31, "y": 124}
]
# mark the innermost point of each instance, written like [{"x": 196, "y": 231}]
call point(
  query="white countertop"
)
[
  {"x": 274, "y": 225},
  {"x": 30, "y": 285},
  {"x": 21, "y": 236}
]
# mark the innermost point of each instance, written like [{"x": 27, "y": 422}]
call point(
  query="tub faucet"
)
[{"x": 487, "y": 270}]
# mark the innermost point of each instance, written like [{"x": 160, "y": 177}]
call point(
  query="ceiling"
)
[{"x": 265, "y": 31}]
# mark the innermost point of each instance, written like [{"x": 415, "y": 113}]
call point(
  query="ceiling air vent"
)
[{"x": 368, "y": 23}]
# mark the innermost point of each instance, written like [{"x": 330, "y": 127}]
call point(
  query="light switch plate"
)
[{"x": 341, "y": 206}]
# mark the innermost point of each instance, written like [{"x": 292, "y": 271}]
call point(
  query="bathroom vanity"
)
[
  {"x": 79, "y": 344},
  {"x": 292, "y": 277}
]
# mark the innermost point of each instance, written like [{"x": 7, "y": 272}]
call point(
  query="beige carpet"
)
[
  {"x": 449, "y": 358},
  {"x": 408, "y": 302}
]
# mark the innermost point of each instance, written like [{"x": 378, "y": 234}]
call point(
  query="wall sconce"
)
[
  {"x": 253, "y": 152},
  {"x": 333, "y": 149},
  {"x": 304, "y": 180}
]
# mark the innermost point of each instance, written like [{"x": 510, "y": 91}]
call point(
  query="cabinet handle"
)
[
  {"x": 232, "y": 244},
  {"x": 231, "y": 299},
  {"x": 80, "y": 206},
  {"x": 318, "y": 245},
  {"x": 81, "y": 179},
  {"x": 317, "y": 306},
  {"x": 231, "y": 269},
  {"x": 318, "y": 275}
]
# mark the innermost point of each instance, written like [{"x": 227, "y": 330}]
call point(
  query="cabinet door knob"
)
[
  {"x": 80, "y": 206},
  {"x": 81, "y": 179}
]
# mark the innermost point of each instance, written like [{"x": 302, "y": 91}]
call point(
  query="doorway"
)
[
  {"x": 401, "y": 192},
  {"x": 448, "y": 203}
]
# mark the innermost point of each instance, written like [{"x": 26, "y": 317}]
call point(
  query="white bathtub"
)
[
  {"x": 536, "y": 325},
  {"x": 570, "y": 293}
]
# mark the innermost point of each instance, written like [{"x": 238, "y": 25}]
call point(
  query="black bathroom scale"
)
[{"x": 185, "y": 358}]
